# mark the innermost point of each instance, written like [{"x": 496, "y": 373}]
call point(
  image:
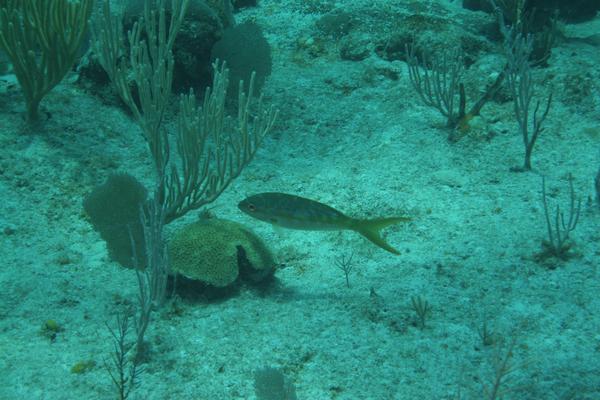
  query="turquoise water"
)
[{"x": 474, "y": 295}]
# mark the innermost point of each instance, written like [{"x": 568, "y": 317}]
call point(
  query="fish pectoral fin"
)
[
  {"x": 371, "y": 229},
  {"x": 279, "y": 231}
]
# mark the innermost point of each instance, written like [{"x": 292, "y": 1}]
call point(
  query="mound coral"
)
[{"x": 217, "y": 252}]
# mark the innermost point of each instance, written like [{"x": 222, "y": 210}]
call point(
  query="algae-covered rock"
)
[{"x": 217, "y": 252}]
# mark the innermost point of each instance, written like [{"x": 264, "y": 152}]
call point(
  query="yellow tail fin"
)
[{"x": 371, "y": 229}]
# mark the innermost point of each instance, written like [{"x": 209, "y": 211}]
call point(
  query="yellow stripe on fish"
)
[{"x": 295, "y": 212}]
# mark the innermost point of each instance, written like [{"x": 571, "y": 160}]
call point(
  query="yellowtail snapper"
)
[{"x": 296, "y": 212}]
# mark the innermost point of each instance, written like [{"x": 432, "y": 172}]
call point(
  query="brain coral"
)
[{"x": 217, "y": 251}]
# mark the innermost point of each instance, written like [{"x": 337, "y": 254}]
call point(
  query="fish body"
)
[{"x": 295, "y": 212}]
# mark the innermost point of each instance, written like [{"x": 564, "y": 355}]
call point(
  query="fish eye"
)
[{"x": 251, "y": 207}]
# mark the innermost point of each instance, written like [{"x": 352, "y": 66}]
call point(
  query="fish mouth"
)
[{"x": 244, "y": 206}]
